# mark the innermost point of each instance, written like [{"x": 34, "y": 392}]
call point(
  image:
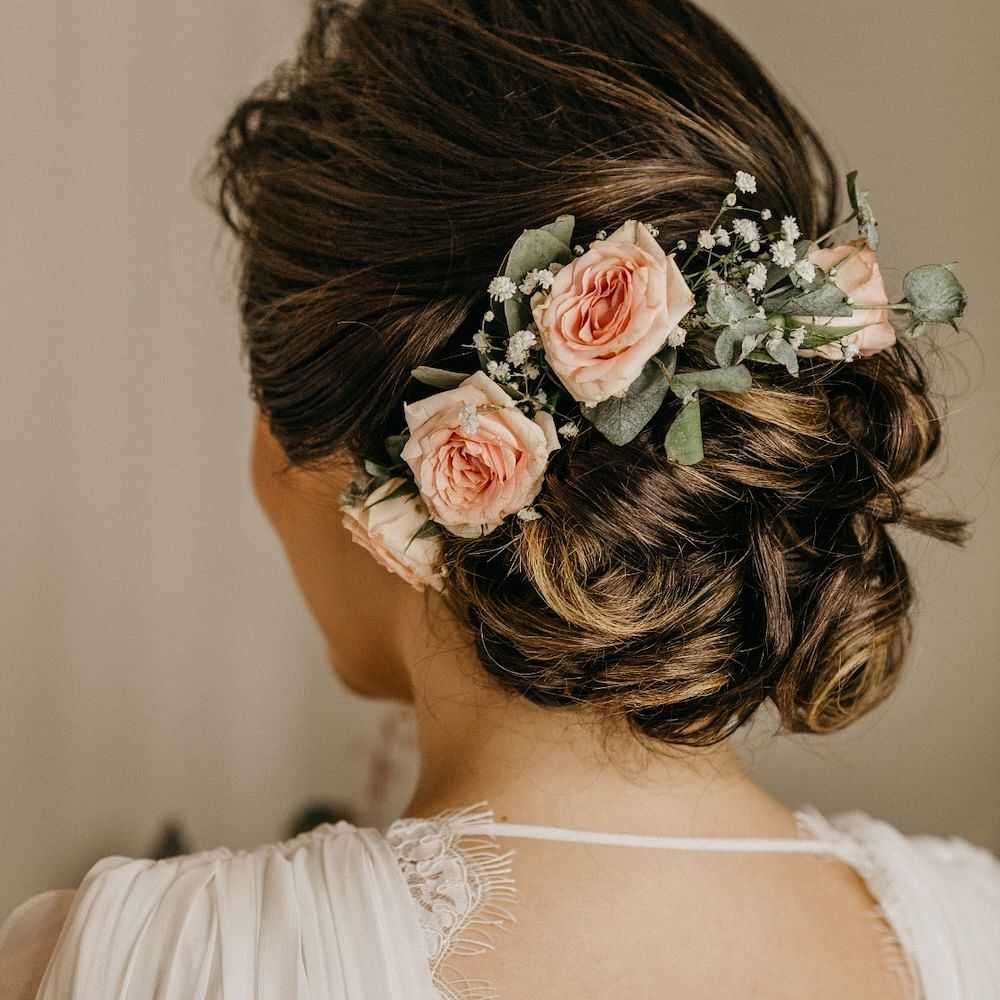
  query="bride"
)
[{"x": 551, "y": 312}]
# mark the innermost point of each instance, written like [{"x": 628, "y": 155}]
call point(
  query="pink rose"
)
[
  {"x": 386, "y": 528},
  {"x": 609, "y": 311},
  {"x": 475, "y": 456},
  {"x": 859, "y": 278}
]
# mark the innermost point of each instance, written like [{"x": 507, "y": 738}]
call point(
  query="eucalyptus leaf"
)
[
  {"x": 517, "y": 313},
  {"x": 406, "y": 489},
  {"x": 763, "y": 357},
  {"x": 683, "y": 441},
  {"x": 727, "y": 305},
  {"x": 784, "y": 354},
  {"x": 535, "y": 249},
  {"x": 427, "y": 530},
  {"x": 734, "y": 378},
  {"x": 439, "y": 378},
  {"x": 825, "y": 299},
  {"x": 818, "y": 334},
  {"x": 621, "y": 419},
  {"x": 937, "y": 296},
  {"x": 394, "y": 446},
  {"x": 867, "y": 223},
  {"x": 377, "y": 470},
  {"x": 734, "y": 336},
  {"x": 562, "y": 229}
]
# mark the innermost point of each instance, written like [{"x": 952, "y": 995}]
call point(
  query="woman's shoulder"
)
[
  {"x": 941, "y": 896},
  {"x": 326, "y": 913}
]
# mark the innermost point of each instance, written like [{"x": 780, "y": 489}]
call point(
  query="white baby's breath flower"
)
[
  {"x": 722, "y": 237},
  {"x": 755, "y": 246},
  {"x": 528, "y": 514},
  {"x": 682, "y": 245},
  {"x": 502, "y": 288},
  {"x": 783, "y": 253},
  {"x": 499, "y": 371},
  {"x": 706, "y": 240},
  {"x": 519, "y": 345},
  {"x": 490, "y": 316},
  {"x": 806, "y": 270},
  {"x": 851, "y": 351},
  {"x": 545, "y": 278},
  {"x": 578, "y": 250},
  {"x": 757, "y": 278},
  {"x": 481, "y": 341},
  {"x": 676, "y": 337},
  {"x": 731, "y": 200},
  {"x": 569, "y": 430},
  {"x": 766, "y": 214},
  {"x": 747, "y": 230},
  {"x": 652, "y": 230},
  {"x": 529, "y": 283},
  {"x": 746, "y": 183},
  {"x": 796, "y": 336},
  {"x": 541, "y": 397},
  {"x": 602, "y": 234},
  {"x": 532, "y": 371},
  {"x": 468, "y": 419},
  {"x": 790, "y": 228}
]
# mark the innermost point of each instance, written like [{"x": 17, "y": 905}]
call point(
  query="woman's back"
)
[{"x": 457, "y": 906}]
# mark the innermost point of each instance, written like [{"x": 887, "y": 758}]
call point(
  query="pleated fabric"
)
[{"x": 326, "y": 916}]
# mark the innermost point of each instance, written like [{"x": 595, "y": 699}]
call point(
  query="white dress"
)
[{"x": 345, "y": 913}]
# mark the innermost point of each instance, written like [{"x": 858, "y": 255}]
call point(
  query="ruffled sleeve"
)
[
  {"x": 327, "y": 915},
  {"x": 942, "y": 897}
]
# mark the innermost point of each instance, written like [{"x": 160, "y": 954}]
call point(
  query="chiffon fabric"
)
[{"x": 347, "y": 913}]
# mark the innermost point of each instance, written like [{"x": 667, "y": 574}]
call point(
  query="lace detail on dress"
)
[{"x": 462, "y": 886}]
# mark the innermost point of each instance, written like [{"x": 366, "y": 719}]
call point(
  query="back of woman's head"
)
[{"x": 375, "y": 183}]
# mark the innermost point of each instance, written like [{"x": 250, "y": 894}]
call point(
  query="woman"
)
[{"x": 632, "y": 418}]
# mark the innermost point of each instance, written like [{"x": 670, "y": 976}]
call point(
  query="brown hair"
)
[{"x": 374, "y": 184}]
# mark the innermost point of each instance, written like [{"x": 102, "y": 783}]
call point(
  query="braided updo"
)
[{"x": 374, "y": 183}]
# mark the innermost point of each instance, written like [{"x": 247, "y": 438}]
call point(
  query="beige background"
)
[{"x": 155, "y": 660}]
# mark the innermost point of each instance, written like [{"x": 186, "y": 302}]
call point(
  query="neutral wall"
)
[{"x": 155, "y": 659}]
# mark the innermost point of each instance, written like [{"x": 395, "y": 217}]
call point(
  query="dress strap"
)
[{"x": 788, "y": 845}]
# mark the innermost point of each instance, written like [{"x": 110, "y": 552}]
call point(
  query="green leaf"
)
[
  {"x": 621, "y": 419},
  {"x": 439, "y": 378},
  {"x": 535, "y": 249},
  {"x": 406, "y": 489},
  {"x": 825, "y": 299},
  {"x": 732, "y": 338},
  {"x": 735, "y": 378},
  {"x": 867, "y": 223},
  {"x": 562, "y": 229},
  {"x": 936, "y": 295},
  {"x": 517, "y": 313},
  {"x": 394, "y": 446},
  {"x": 377, "y": 470},
  {"x": 818, "y": 334},
  {"x": 784, "y": 354},
  {"x": 762, "y": 356},
  {"x": 427, "y": 530},
  {"x": 683, "y": 441},
  {"x": 727, "y": 305}
]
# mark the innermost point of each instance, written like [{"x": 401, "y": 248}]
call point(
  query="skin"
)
[{"x": 806, "y": 915}]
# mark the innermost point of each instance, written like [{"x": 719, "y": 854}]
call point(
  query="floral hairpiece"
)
[{"x": 579, "y": 338}]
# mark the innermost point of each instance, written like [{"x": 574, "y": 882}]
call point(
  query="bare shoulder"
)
[{"x": 27, "y": 940}]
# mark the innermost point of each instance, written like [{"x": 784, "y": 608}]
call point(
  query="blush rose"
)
[
  {"x": 609, "y": 311},
  {"x": 859, "y": 278},
  {"x": 387, "y": 528},
  {"x": 473, "y": 471}
]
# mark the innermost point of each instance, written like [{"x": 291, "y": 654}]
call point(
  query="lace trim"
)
[
  {"x": 813, "y": 824},
  {"x": 463, "y": 887}
]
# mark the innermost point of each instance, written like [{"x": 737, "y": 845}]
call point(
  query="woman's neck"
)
[{"x": 561, "y": 767}]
